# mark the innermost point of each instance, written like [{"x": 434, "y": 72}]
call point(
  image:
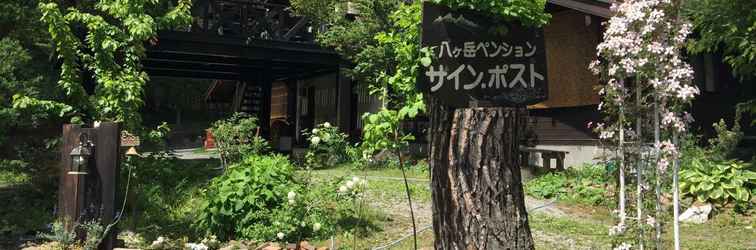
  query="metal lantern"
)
[{"x": 80, "y": 156}]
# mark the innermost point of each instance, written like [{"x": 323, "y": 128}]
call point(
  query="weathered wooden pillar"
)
[
  {"x": 90, "y": 196},
  {"x": 107, "y": 160},
  {"x": 265, "y": 81},
  {"x": 478, "y": 200},
  {"x": 71, "y": 187},
  {"x": 344, "y": 102}
]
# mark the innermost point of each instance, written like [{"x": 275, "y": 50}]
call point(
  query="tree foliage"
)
[
  {"x": 528, "y": 12},
  {"x": 106, "y": 39},
  {"x": 22, "y": 47},
  {"x": 728, "y": 26}
]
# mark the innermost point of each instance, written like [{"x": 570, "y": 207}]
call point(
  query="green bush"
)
[
  {"x": 584, "y": 185},
  {"x": 237, "y": 137},
  {"x": 246, "y": 195},
  {"x": 551, "y": 185},
  {"x": 260, "y": 199},
  {"x": 164, "y": 193},
  {"x": 718, "y": 182},
  {"x": 328, "y": 147}
]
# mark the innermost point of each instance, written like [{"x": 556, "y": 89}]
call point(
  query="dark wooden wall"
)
[{"x": 564, "y": 126}]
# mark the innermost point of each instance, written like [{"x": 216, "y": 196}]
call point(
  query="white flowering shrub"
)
[
  {"x": 261, "y": 199},
  {"x": 648, "y": 85},
  {"x": 328, "y": 146},
  {"x": 642, "y": 42}
]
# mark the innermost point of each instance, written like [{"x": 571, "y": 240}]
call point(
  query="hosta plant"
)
[{"x": 718, "y": 182}]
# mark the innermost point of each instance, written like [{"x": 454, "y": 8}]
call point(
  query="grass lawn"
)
[
  {"x": 584, "y": 227},
  {"x": 168, "y": 205}
]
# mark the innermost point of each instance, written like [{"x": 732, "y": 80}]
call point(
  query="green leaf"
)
[
  {"x": 742, "y": 194},
  {"x": 425, "y": 61}
]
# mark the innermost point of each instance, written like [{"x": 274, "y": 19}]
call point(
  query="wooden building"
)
[{"x": 264, "y": 61}]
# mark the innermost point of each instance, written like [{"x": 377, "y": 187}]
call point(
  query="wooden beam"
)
[
  {"x": 595, "y": 8},
  {"x": 298, "y": 26}
]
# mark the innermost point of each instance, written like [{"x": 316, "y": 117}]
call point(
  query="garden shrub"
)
[
  {"x": 237, "y": 137},
  {"x": 245, "y": 195},
  {"x": 710, "y": 174},
  {"x": 328, "y": 147},
  {"x": 551, "y": 185},
  {"x": 718, "y": 182},
  {"x": 260, "y": 199},
  {"x": 584, "y": 185}
]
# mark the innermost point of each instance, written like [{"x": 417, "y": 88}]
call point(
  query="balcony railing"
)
[{"x": 252, "y": 19}]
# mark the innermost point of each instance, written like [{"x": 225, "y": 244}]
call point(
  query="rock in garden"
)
[{"x": 697, "y": 214}]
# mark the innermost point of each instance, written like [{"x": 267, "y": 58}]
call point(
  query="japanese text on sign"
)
[{"x": 481, "y": 59}]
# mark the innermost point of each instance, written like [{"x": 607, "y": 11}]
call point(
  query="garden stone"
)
[{"x": 697, "y": 214}]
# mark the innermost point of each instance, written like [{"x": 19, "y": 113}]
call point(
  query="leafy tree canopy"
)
[
  {"x": 529, "y": 12},
  {"x": 728, "y": 26},
  {"x": 25, "y": 67},
  {"x": 105, "y": 39}
]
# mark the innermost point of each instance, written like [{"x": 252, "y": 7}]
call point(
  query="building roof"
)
[{"x": 594, "y": 7}]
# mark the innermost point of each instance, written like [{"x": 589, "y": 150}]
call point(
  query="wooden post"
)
[
  {"x": 478, "y": 200},
  {"x": 92, "y": 196},
  {"x": 344, "y": 102},
  {"x": 265, "y": 81},
  {"x": 107, "y": 159},
  {"x": 70, "y": 187}
]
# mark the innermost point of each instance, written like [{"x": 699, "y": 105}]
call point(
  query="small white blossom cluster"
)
[
  {"x": 317, "y": 137},
  {"x": 292, "y": 197},
  {"x": 159, "y": 243},
  {"x": 195, "y": 246},
  {"x": 617, "y": 229},
  {"x": 624, "y": 246},
  {"x": 651, "y": 221},
  {"x": 353, "y": 186},
  {"x": 211, "y": 242},
  {"x": 667, "y": 151},
  {"x": 643, "y": 42}
]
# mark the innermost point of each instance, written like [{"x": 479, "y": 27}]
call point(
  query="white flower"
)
[
  {"x": 343, "y": 189},
  {"x": 315, "y": 131},
  {"x": 624, "y": 246},
  {"x": 315, "y": 140},
  {"x": 651, "y": 221},
  {"x": 316, "y": 227},
  {"x": 355, "y": 179},
  {"x": 617, "y": 229},
  {"x": 349, "y": 184},
  {"x": 303, "y": 224},
  {"x": 326, "y": 125},
  {"x": 292, "y": 195},
  {"x": 194, "y": 246},
  {"x": 280, "y": 235}
]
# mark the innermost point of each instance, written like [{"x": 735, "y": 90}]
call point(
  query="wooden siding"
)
[
  {"x": 564, "y": 126},
  {"x": 278, "y": 101},
  {"x": 571, "y": 40}
]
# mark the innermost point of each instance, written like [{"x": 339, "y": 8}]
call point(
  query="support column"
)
[
  {"x": 344, "y": 103},
  {"x": 107, "y": 160},
  {"x": 265, "y": 82},
  {"x": 91, "y": 196}
]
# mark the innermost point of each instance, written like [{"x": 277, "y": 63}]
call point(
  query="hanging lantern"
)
[{"x": 80, "y": 156}]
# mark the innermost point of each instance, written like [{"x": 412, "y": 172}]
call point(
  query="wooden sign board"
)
[
  {"x": 481, "y": 60},
  {"x": 129, "y": 140}
]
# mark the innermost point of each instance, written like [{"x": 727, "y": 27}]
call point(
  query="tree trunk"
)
[{"x": 478, "y": 200}]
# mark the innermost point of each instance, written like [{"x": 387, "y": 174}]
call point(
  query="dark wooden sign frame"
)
[{"x": 481, "y": 60}]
